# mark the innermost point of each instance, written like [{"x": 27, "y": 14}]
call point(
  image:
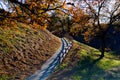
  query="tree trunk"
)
[
  {"x": 102, "y": 52},
  {"x": 63, "y": 30},
  {"x": 68, "y": 25},
  {"x": 103, "y": 45}
]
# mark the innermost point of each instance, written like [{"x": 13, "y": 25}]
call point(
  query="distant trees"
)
[
  {"x": 58, "y": 23},
  {"x": 67, "y": 19}
]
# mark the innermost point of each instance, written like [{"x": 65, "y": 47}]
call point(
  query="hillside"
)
[
  {"x": 23, "y": 50},
  {"x": 82, "y": 63}
]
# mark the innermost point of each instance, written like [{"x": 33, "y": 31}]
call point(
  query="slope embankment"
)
[{"x": 23, "y": 49}]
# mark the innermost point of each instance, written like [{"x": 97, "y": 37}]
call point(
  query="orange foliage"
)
[{"x": 33, "y": 11}]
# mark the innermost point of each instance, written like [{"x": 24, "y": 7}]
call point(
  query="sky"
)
[{"x": 2, "y": 5}]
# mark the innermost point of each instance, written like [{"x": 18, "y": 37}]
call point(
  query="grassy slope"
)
[
  {"x": 23, "y": 49},
  {"x": 81, "y": 64}
]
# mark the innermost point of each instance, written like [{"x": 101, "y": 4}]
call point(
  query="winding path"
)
[{"x": 52, "y": 63}]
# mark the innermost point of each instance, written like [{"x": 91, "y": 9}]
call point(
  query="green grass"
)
[
  {"x": 4, "y": 77},
  {"x": 108, "y": 63},
  {"x": 62, "y": 66},
  {"x": 87, "y": 69}
]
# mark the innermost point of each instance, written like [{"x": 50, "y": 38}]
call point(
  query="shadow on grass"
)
[
  {"x": 117, "y": 52},
  {"x": 87, "y": 69}
]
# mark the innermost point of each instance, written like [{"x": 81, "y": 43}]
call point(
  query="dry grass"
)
[{"x": 23, "y": 49}]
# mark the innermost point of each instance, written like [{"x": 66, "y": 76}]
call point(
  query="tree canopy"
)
[{"x": 36, "y": 12}]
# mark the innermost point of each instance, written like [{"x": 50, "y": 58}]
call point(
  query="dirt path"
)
[{"x": 49, "y": 66}]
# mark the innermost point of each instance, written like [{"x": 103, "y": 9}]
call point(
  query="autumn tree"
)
[
  {"x": 79, "y": 19},
  {"x": 103, "y": 16},
  {"x": 35, "y": 12}
]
